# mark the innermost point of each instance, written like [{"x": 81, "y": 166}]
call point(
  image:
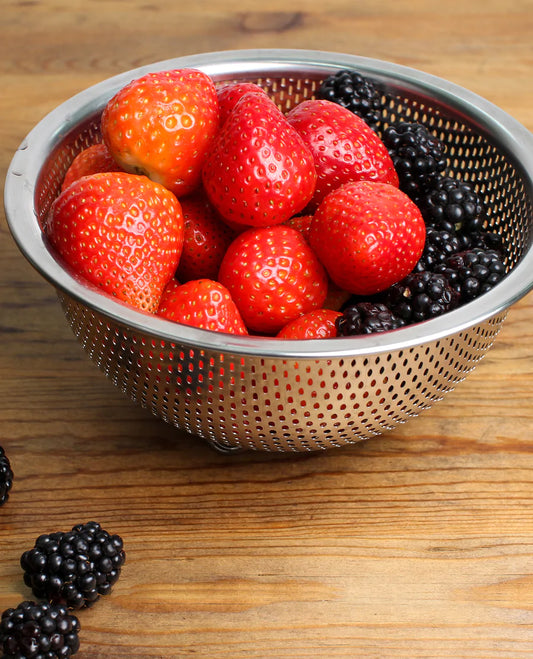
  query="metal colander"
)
[{"x": 271, "y": 394}]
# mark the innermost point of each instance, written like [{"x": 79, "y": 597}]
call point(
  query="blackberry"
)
[
  {"x": 74, "y": 567},
  {"x": 453, "y": 205},
  {"x": 482, "y": 239},
  {"x": 39, "y": 631},
  {"x": 6, "y": 477},
  {"x": 420, "y": 296},
  {"x": 439, "y": 245},
  {"x": 473, "y": 272},
  {"x": 418, "y": 156},
  {"x": 366, "y": 318},
  {"x": 355, "y": 92}
]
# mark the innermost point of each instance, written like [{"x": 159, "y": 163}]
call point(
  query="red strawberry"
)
[
  {"x": 230, "y": 93},
  {"x": 259, "y": 171},
  {"x": 206, "y": 239},
  {"x": 92, "y": 160},
  {"x": 300, "y": 222},
  {"x": 273, "y": 276},
  {"x": 368, "y": 236},
  {"x": 202, "y": 303},
  {"x": 121, "y": 232},
  {"x": 344, "y": 147},
  {"x": 316, "y": 324},
  {"x": 161, "y": 125}
]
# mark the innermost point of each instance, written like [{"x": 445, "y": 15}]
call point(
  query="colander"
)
[{"x": 280, "y": 395}]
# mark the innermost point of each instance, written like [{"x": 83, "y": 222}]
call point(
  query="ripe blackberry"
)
[
  {"x": 452, "y": 205},
  {"x": 483, "y": 239},
  {"x": 366, "y": 318},
  {"x": 418, "y": 156},
  {"x": 74, "y": 567},
  {"x": 355, "y": 92},
  {"x": 420, "y": 296},
  {"x": 473, "y": 272},
  {"x": 6, "y": 477},
  {"x": 39, "y": 631},
  {"x": 439, "y": 245}
]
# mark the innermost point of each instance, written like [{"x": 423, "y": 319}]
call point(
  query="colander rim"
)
[{"x": 27, "y": 162}]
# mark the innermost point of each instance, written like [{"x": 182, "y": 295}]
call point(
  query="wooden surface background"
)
[{"x": 418, "y": 544}]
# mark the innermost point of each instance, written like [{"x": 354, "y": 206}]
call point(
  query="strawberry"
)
[
  {"x": 273, "y": 276},
  {"x": 121, "y": 232},
  {"x": 231, "y": 92},
  {"x": 202, "y": 303},
  {"x": 344, "y": 147},
  {"x": 368, "y": 235},
  {"x": 162, "y": 125},
  {"x": 316, "y": 324},
  {"x": 93, "y": 159},
  {"x": 205, "y": 241},
  {"x": 300, "y": 222},
  {"x": 259, "y": 171}
]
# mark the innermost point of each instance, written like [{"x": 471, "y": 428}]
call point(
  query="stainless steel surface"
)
[{"x": 269, "y": 394}]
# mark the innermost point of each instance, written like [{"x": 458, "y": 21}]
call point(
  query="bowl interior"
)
[{"x": 473, "y": 154}]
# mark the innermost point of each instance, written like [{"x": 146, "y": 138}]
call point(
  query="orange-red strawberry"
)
[
  {"x": 206, "y": 239},
  {"x": 161, "y": 125},
  {"x": 121, "y": 232},
  {"x": 368, "y": 236},
  {"x": 94, "y": 159},
  {"x": 201, "y": 303},
  {"x": 316, "y": 324},
  {"x": 273, "y": 276},
  {"x": 231, "y": 92},
  {"x": 259, "y": 172},
  {"x": 344, "y": 147}
]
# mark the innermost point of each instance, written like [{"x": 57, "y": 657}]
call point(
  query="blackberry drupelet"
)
[
  {"x": 420, "y": 296},
  {"x": 75, "y": 567},
  {"x": 6, "y": 477},
  {"x": 39, "y": 631},
  {"x": 439, "y": 245},
  {"x": 452, "y": 205},
  {"x": 473, "y": 272},
  {"x": 355, "y": 92},
  {"x": 417, "y": 154},
  {"x": 366, "y": 318}
]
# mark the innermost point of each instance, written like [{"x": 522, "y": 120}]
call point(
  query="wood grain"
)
[{"x": 417, "y": 544}]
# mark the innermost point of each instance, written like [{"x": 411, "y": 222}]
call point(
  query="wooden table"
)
[{"x": 416, "y": 544}]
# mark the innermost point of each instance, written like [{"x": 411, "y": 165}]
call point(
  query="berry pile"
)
[
  {"x": 208, "y": 206},
  {"x": 461, "y": 259},
  {"x": 66, "y": 571}
]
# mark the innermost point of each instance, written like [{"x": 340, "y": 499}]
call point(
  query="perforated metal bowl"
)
[{"x": 270, "y": 394}]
